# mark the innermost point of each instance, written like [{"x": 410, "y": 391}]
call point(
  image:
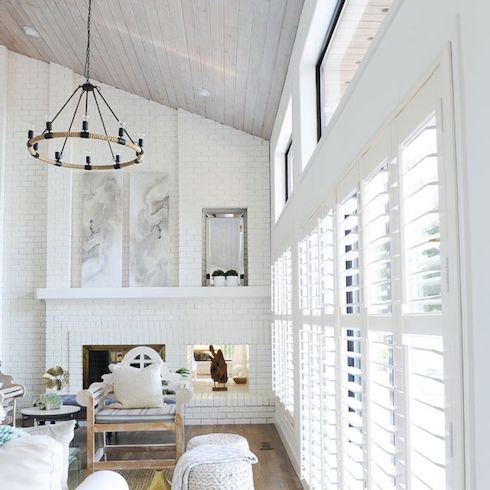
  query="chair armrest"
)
[
  {"x": 183, "y": 396},
  {"x": 102, "y": 480}
]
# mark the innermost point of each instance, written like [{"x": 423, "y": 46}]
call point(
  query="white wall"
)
[
  {"x": 209, "y": 165},
  {"x": 413, "y": 38}
]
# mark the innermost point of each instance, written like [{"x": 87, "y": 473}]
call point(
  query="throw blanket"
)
[
  {"x": 7, "y": 433},
  {"x": 207, "y": 454}
]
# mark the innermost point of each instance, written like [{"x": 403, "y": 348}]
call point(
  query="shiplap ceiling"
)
[{"x": 164, "y": 50}]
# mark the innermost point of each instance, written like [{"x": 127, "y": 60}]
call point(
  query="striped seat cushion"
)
[{"x": 121, "y": 415}]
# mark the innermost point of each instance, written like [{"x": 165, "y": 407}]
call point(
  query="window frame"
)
[
  {"x": 288, "y": 172},
  {"x": 318, "y": 67}
]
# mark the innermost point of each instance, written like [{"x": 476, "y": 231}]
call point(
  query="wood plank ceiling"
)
[{"x": 164, "y": 50}]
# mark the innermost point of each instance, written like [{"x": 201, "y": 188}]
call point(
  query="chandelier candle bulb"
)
[{"x": 57, "y": 157}]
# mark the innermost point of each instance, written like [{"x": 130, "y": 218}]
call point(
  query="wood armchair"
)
[
  {"x": 103, "y": 419},
  {"x": 9, "y": 392}
]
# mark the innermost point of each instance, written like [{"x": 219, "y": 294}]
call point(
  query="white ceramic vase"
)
[
  {"x": 219, "y": 280},
  {"x": 232, "y": 280}
]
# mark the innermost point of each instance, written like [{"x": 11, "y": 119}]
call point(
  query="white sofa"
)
[{"x": 40, "y": 462}]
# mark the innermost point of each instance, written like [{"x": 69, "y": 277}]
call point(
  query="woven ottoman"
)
[
  {"x": 221, "y": 476},
  {"x": 219, "y": 439}
]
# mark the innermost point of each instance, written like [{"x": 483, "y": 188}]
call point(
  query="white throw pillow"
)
[
  {"x": 61, "y": 432},
  {"x": 138, "y": 388},
  {"x": 31, "y": 463}
]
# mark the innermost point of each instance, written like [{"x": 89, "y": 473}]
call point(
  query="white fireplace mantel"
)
[{"x": 149, "y": 292}]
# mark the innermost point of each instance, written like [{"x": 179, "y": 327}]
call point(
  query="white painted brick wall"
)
[
  {"x": 222, "y": 168},
  {"x": 24, "y": 228},
  {"x": 210, "y": 165}
]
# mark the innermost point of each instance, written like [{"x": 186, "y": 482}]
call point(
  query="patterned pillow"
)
[{"x": 7, "y": 433}]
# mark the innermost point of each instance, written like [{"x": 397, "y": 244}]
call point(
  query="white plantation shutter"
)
[
  {"x": 382, "y": 412},
  {"x": 353, "y": 437},
  {"x": 327, "y": 264},
  {"x": 379, "y": 381},
  {"x": 349, "y": 255},
  {"x": 283, "y": 332},
  {"x": 311, "y": 404},
  {"x": 318, "y": 407},
  {"x": 420, "y": 184},
  {"x": 426, "y": 412},
  {"x": 376, "y": 228}
]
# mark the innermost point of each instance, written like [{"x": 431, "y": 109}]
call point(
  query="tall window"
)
[
  {"x": 288, "y": 171},
  {"x": 379, "y": 328},
  {"x": 351, "y": 31}
]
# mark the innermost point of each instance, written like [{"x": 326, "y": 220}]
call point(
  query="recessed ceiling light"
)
[
  {"x": 30, "y": 31},
  {"x": 384, "y": 10},
  {"x": 358, "y": 62},
  {"x": 202, "y": 92},
  {"x": 370, "y": 38}
]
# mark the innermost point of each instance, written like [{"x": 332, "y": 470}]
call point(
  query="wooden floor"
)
[{"x": 273, "y": 471}]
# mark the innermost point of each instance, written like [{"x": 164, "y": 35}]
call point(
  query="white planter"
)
[
  {"x": 232, "y": 281},
  {"x": 219, "y": 280}
]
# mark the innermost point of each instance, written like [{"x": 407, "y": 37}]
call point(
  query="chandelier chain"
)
[{"x": 86, "y": 71}]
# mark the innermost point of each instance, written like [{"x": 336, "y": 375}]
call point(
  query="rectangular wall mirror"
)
[{"x": 225, "y": 247}]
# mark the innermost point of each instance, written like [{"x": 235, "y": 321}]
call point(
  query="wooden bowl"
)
[{"x": 240, "y": 380}]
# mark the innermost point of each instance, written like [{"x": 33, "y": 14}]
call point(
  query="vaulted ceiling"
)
[{"x": 164, "y": 50}]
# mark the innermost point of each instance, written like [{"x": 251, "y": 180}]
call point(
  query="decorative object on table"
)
[
  {"x": 89, "y": 95},
  {"x": 55, "y": 378},
  {"x": 102, "y": 230},
  {"x": 48, "y": 401},
  {"x": 239, "y": 374},
  {"x": 149, "y": 237},
  {"x": 218, "y": 277},
  {"x": 219, "y": 370},
  {"x": 232, "y": 278},
  {"x": 183, "y": 372}
]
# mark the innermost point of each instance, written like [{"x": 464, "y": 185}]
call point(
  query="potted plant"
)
[
  {"x": 232, "y": 278},
  {"x": 218, "y": 277}
]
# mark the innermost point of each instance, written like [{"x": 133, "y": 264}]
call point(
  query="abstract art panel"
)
[
  {"x": 102, "y": 230},
  {"x": 149, "y": 240}
]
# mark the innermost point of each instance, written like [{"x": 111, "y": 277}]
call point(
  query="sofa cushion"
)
[
  {"x": 61, "y": 432},
  {"x": 34, "y": 462},
  {"x": 110, "y": 415},
  {"x": 138, "y": 388}
]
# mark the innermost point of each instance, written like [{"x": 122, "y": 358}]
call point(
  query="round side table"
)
[{"x": 66, "y": 412}]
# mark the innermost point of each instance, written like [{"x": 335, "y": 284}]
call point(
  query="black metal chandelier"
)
[{"x": 86, "y": 92}]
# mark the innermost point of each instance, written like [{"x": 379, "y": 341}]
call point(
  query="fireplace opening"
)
[
  {"x": 96, "y": 359},
  {"x": 237, "y": 361}
]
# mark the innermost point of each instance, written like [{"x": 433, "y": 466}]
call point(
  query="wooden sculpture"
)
[{"x": 219, "y": 371}]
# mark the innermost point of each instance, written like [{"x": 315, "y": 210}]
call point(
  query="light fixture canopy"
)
[
  {"x": 86, "y": 93},
  {"x": 202, "y": 92},
  {"x": 31, "y": 32}
]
